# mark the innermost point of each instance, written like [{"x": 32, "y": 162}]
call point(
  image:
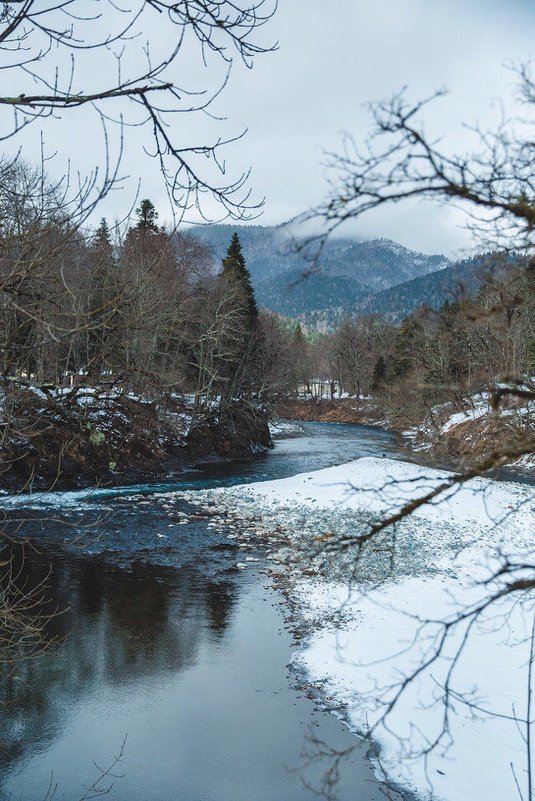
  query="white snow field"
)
[{"x": 366, "y": 638}]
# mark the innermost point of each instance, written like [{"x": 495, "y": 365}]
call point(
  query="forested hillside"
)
[
  {"x": 350, "y": 270},
  {"x": 437, "y": 362},
  {"x": 453, "y": 283},
  {"x": 354, "y": 276}
]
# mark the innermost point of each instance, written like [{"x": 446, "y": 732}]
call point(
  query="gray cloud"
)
[{"x": 334, "y": 58}]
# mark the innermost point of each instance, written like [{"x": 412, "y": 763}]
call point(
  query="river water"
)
[{"x": 162, "y": 641}]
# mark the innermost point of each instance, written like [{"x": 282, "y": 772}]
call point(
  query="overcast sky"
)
[
  {"x": 338, "y": 56},
  {"x": 333, "y": 58}
]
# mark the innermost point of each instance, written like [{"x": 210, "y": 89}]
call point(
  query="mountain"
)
[
  {"x": 356, "y": 276},
  {"x": 351, "y": 269},
  {"x": 451, "y": 283},
  {"x": 456, "y": 281}
]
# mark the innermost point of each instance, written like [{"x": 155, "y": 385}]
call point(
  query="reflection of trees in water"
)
[
  {"x": 220, "y": 597},
  {"x": 118, "y": 626}
]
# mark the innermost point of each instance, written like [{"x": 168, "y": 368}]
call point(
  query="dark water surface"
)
[{"x": 165, "y": 642}]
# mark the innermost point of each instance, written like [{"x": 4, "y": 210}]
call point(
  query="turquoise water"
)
[{"x": 320, "y": 445}]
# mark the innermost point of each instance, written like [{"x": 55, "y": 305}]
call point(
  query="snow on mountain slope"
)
[{"x": 351, "y": 268}]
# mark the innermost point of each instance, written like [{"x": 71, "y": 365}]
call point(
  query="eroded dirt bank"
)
[
  {"x": 89, "y": 437},
  {"x": 343, "y": 410}
]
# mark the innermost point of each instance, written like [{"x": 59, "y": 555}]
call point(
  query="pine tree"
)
[
  {"x": 299, "y": 340},
  {"x": 378, "y": 375},
  {"x": 102, "y": 246},
  {"x": 403, "y": 352},
  {"x": 101, "y": 305},
  {"x": 239, "y": 366},
  {"x": 299, "y": 351},
  {"x": 147, "y": 246},
  {"x": 102, "y": 238},
  {"x": 147, "y": 216},
  {"x": 235, "y": 270}
]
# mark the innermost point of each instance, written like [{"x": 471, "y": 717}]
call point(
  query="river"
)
[{"x": 162, "y": 641}]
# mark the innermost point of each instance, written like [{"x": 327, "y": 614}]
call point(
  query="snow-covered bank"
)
[
  {"x": 478, "y": 424},
  {"x": 450, "y": 433},
  {"x": 366, "y": 636}
]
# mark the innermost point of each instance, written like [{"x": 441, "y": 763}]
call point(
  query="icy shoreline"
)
[{"x": 359, "y": 624}]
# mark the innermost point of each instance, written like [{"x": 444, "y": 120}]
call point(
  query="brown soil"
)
[
  {"x": 475, "y": 438},
  {"x": 59, "y": 443},
  {"x": 343, "y": 410}
]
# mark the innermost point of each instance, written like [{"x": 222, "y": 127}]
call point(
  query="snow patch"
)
[{"x": 365, "y": 635}]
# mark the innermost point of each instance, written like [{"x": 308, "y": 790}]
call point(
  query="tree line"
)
[
  {"x": 147, "y": 308},
  {"x": 150, "y": 309},
  {"x": 434, "y": 355}
]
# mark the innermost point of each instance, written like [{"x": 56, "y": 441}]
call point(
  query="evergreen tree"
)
[
  {"x": 147, "y": 216},
  {"x": 378, "y": 375},
  {"x": 239, "y": 366},
  {"x": 403, "y": 356},
  {"x": 299, "y": 340},
  {"x": 102, "y": 309},
  {"x": 102, "y": 246},
  {"x": 235, "y": 270},
  {"x": 102, "y": 238},
  {"x": 453, "y": 336},
  {"x": 299, "y": 359},
  {"x": 146, "y": 246}
]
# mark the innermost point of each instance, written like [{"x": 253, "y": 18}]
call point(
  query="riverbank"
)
[
  {"x": 452, "y": 434},
  {"x": 352, "y": 619},
  {"x": 322, "y": 410},
  {"x": 78, "y": 437},
  {"x": 63, "y": 439},
  {"x": 367, "y": 624}
]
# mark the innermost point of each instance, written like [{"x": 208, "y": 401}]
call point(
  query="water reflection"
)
[
  {"x": 192, "y": 668},
  {"x": 115, "y": 627},
  {"x": 161, "y": 638}
]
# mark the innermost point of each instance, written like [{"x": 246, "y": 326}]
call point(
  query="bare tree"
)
[
  {"x": 495, "y": 186},
  {"x": 132, "y": 55},
  {"x": 398, "y": 162}
]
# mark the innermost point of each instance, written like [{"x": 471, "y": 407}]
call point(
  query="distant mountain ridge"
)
[
  {"x": 458, "y": 280},
  {"x": 352, "y": 270}
]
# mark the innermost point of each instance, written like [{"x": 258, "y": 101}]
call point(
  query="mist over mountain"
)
[{"x": 355, "y": 276}]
